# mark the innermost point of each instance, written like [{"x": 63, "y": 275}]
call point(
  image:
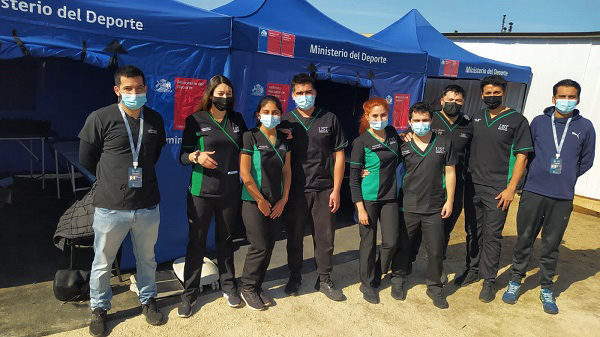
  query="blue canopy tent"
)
[
  {"x": 449, "y": 61},
  {"x": 168, "y": 40},
  {"x": 273, "y": 40},
  {"x": 414, "y": 30}
]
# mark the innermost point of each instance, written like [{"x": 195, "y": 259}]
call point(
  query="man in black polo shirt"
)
[
  {"x": 120, "y": 144},
  {"x": 501, "y": 143},
  {"x": 452, "y": 123},
  {"x": 317, "y": 171}
]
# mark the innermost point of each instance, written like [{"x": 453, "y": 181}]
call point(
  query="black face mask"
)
[
  {"x": 223, "y": 103},
  {"x": 492, "y": 102},
  {"x": 452, "y": 109}
]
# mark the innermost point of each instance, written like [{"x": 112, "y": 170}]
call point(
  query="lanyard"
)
[
  {"x": 135, "y": 152},
  {"x": 562, "y": 140}
]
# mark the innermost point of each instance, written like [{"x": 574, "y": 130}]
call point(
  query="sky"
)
[{"x": 465, "y": 16}]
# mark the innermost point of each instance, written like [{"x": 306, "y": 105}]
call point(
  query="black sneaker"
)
[
  {"x": 488, "y": 292},
  {"x": 97, "y": 324},
  {"x": 185, "y": 309},
  {"x": 252, "y": 299},
  {"x": 398, "y": 291},
  {"x": 466, "y": 278},
  {"x": 328, "y": 288},
  {"x": 267, "y": 301},
  {"x": 153, "y": 315},
  {"x": 369, "y": 294},
  {"x": 233, "y": 299},
  {"x": 292, "y": 287},
  {"x": 438, "y": 298}
]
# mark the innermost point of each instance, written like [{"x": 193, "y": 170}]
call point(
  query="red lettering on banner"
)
[
  {"x": 188, "y": 92},
  {"x": 401, "y": 107},
  {"x": 274, "y": 42},
  {"x": 288, "y": 42},
  {"x": 281, "y": 91}
]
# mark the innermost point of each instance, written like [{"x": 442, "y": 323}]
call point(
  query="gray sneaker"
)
[
  {"x": 252, "y": 299},
  {"x": 153, "y": 316}
]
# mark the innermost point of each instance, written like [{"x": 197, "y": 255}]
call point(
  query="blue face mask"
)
[
  {"x": 305, "y": 102},
  {"x": 565, "y": 106},
  {"x": 133, "y": 101},
  {"x": 270, "y": 121},
  {"x": 421, "y": 128},
  {"x": 379, "y": 125}
]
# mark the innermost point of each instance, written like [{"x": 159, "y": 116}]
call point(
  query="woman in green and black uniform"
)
[
  {"x": 211, "y": 143},
  {"x": 266, "y": 172},
  {"x": 376, "y": 196}
]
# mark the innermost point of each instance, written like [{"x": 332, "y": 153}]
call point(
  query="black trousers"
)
[
  {"x": 473, "y": 232},
  {"x": 463, "y": 195},
  {"x": 261, "y": 232},
  {"x": 200, "y": 211},
  {"x": 490, "y": 223},
  {"x": 551, "y": 217},
  {"x": 387, "y": 213},
  {"x": 432, "y": 228},
  {"x": 312, "y": 209}
]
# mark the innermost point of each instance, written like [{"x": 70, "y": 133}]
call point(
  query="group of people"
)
[{"x": 291, "y": 167}]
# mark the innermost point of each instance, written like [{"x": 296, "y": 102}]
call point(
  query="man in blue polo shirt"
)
[{"x": 564, "y": 143}]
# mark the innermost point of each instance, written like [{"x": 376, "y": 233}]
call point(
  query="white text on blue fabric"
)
[{"x": 354, "y": 55}]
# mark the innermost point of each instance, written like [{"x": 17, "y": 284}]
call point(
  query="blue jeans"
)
[{"x": 110, "y": 228}]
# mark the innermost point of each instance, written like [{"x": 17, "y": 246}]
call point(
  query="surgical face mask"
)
[
  {"x": 270, "y": 121},
  {"x": 133, "y": 101},
  {"x": 379, "y": 125},
  {"x": 305, "y": 102},
  {"x": 452, "y": 109},
  {"x": 223, "y": 103},
  {"x": 492, "y": 102},
  {"x": 565, "y": 106},
  {"x": 421, "y": 128}
]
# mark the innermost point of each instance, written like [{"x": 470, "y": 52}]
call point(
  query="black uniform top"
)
[
  {"x": 460, "y": 133},
  {"x": 495, "y": 145},
  {"x": 314, "y": 140},
  {"x": 202, "y": 132},
  {"x": 267, "y": 164},
  {"x": 381, "y": 160},
  {"x": 424, "y": 181},
  {"x": 106, "y": 152}
]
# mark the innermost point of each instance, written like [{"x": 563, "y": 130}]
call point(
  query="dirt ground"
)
[{"x": 311, "y": 314}]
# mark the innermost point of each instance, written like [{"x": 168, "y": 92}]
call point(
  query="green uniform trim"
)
[
  {"x": 273, "y": 146},
  {"x": 451, "y": 128},
  {"x": 370, "y": 183},
  {"x": 223, "y": 129},
  {"x": 311, "y": 122},
  {"x": 246, "y": 150},
  {"x": 430, "y": 145},
  {"x": 511, "y": 163},
  {"x": 384, "y": 144},
  {"x": 198, "y": 172},
  {"x": 256, "y": 173},
  {"x": 341, "y": 146},
  {"x": 497, "y": 117},
  {"x": 523, "y": 149},
  {"x": 355, "y": 163}
]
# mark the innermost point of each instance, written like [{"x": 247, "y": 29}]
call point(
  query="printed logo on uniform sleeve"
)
[
  {"x": 392, "y": 141},
  {"x": 477, "y": 120},
  {"x": 263, "y": 147},
  {"x": 235, "y": 128},
  {"x": 438, "y": 131},
  {"x": 282, "y": 147},
  {"x": 376, "y": 146},
  {"x": 576, "y": 134},
  {"x": 206, "y": 128},
  {"x": 503, "y": 127},
  {"x": 324, "y": 129},
  {"x": 440, "y": 149},
  {"x": 405, "y": 152},
  {"x": 152, "y": 131},
  {"x": 463, "y": 135}
]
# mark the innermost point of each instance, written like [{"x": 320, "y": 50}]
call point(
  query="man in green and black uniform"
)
[
  {"x": 501, "y": 142},
  {"x": 451, "y": 123},
  {"x": 426, "y": 196},
  {"x": 317, "y": 170}
]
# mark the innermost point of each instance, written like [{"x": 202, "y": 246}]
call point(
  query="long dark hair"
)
[{"x": 206, "y": 101}]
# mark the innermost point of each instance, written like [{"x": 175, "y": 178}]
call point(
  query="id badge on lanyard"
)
[
  {"x": 556, "y": 163},
  {"x": 135, "y": 173}
]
